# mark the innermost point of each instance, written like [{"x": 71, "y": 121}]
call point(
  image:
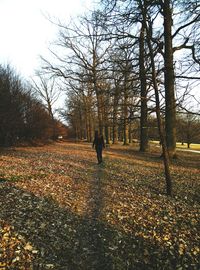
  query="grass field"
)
[
  {"x": 60, "y": 210},
  {"x": 193, "y": 146}
]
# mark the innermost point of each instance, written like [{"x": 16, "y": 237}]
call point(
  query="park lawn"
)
[
  {"x": 60, "y": 210},
  {"x": 193, "y": 146}
]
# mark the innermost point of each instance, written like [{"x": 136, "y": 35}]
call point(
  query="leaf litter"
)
[{"x": 59, "y": 210}]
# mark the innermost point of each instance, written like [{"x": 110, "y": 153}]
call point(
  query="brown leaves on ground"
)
[
  {"x": 16, "y": 252},
  {"x": 60, "y": 210}
]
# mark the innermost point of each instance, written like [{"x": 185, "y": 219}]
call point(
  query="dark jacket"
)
[{"x": 98, "y": 142}]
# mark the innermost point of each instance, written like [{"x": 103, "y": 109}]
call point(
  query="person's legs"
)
[
  {"x": 99, "y": 150},
  {"x": 98, "y": 156}
]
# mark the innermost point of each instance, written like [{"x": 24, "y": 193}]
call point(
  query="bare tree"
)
[
  {"x": 182, "y": 34},
  {"x": 83, "y": 58},
  {"x": 143, "y": 83},
  {"x": 48, "y": 91},
  {"x": 22, "y": 116},
  {"x": 188, "y": 128},
  {"x": 148, "y": 27}
]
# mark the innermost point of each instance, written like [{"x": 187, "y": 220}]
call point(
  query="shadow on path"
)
[{"x": 99, "y": 256}]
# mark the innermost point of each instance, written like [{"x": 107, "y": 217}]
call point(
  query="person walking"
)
[{"x": 99, "y": 144}]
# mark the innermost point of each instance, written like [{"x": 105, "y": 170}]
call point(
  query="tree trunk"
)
[
  {"x": 158, "y": 112},
  {"x": 105, "y": 103},
  {"x": 170, "y": 113},
  {"x": 114, "y": 123},
  {"x": 126, "y": 131},
  {"x": 143, "y": 117},
  {"x": 130, "y": 133},
  {"x": 114, "y": 127},
  {"x": 107, "y": 134},
  {"x": 90, "y": 126}
]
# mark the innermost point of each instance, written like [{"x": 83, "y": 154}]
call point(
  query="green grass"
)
[{"x": 193, "y": 146}]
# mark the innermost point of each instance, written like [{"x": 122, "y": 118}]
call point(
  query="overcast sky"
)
[{"x": 25, "y": 33}]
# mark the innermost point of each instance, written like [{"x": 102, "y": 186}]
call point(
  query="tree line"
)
[
  {"x": 23, "y": 117},
  {"x": 113, "y": 59},
  {"x": 126, "y": 62}
]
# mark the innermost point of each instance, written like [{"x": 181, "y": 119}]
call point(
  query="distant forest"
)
[{"x": 23, "y": 117}]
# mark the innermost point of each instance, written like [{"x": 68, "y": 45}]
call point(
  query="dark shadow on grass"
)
[
  {"x": 184, "y": 159},
  {"x": 68, "y": 241},
  {"x": 100, "y": 258},
  {"x": 2, "y": 180}
]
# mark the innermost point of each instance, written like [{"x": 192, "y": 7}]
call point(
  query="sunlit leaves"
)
[
  {"x": 66, "y": 212},
  {"x": 14, "y": 251}
]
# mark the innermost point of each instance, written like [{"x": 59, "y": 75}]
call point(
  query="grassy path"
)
[{"x": 60, "y": 210}]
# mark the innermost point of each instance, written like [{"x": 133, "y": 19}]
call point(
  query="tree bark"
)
[
  {"x": 126, "y": 127},
  {"x": 165, "y": 155},
  {"x": 170, "y": 113},
  {"x": 114, "y": 120},
  {"x": 143, "y": 95},
  {"x": 114, "y": 126}
]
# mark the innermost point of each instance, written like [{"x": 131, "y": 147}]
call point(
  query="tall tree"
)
[
  {"x": 48, "y": 92},
  {"x": 84, "y": 48},
  {"x": 182, "y": 24},
  {"x": 148, "y": 26},
  {"x": 143, "y": 96},
  {"x": 170, "y": 109}
]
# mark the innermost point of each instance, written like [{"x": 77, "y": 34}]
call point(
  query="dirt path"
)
[{"x": 96, "y": 256}]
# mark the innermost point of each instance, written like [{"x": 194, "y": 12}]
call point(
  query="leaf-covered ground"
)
[{"x": 60, "y": 210}]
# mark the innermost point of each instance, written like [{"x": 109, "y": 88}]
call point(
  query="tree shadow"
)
[
  {"x": 146, "y": 171},
  {"x": 66, "y": 240},
  {"x": 100, "y": 258},
  {"x": 135, "y": 155},
  {"x": 184, "y": 159}
]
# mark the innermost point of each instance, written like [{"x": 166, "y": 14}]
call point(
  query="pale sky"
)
[{"x": 25, "y": 33}]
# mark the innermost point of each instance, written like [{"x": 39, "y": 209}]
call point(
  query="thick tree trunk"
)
[
  {"x": 126, "y": 128},
  {"x": 90, "y": 126},
  {"x": 81, "y": 127},
  {"x": 99, "y": 110},
  {"x": 130, "y": 133},
  {"x": 88, "y": 115},
  {"x": 53, "y": 123},
  {"x": 158, "y": 112},
  {"x": 170, "y": 114},
  {"x": 114, "y": 123},
  {"x": 107, "y": 134},
  {"x": 98, "y": 93},
  {"x": 105, "y": 103},
  {"x": 161, "y": 132},
  {"x": 114, "y": 127},
  {"x": 87, "y": 129},
  {"x": 143, "y": 96}
]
